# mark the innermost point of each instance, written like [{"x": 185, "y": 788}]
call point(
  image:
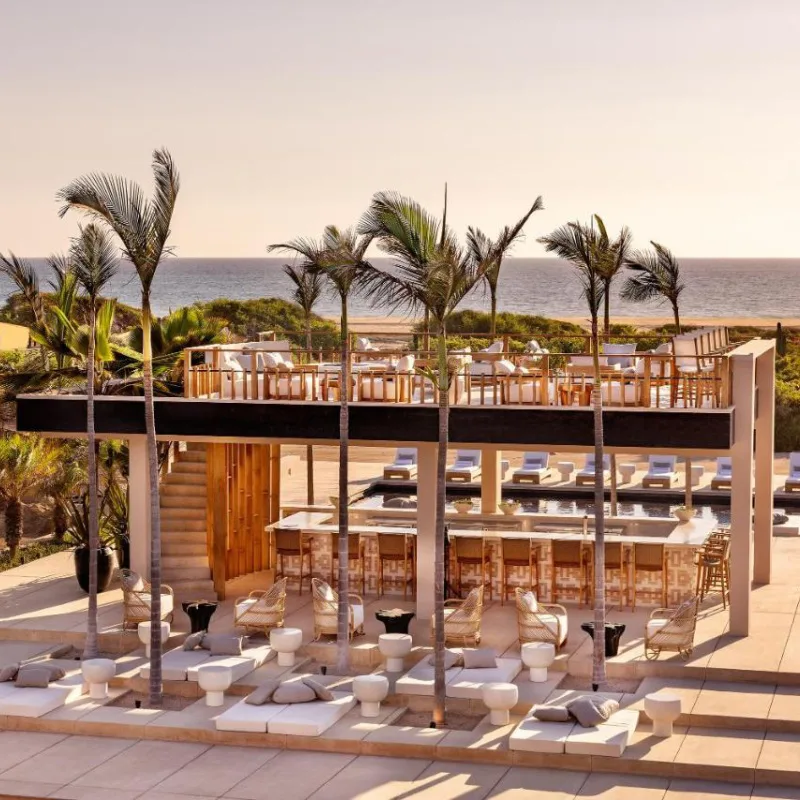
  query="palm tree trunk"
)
[
  {"x": 59, "y": 520},
  {"x": 343, "y": 619},
  {"x": 493, "y": 311},
  {"x": 155, "y": 511},
  {"x": 90, "y": 644},
  {"x": 599, "y": 644},
  {"x": 677, "y": 319},
  {"x": 13, "y": 525},
  {"x": 309, "y": 447},
  {"x": 606, "y": 311},
  {"x": 438, "y": 573}
]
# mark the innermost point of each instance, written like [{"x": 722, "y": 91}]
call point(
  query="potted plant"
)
[
  {"x": 463, "y": 505},
  {"x": 116, "y": 504},
  {"x": 510, "y": 507},
  {"x": 684, "y": 513},
  {"x": 78, "y": 535}
]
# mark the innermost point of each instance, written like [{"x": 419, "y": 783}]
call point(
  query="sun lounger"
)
[
  {"x": 404, "y": 467},
  {"x": 176, "y": 663},
  {"x": 606, "y": 739},
  {"x": 29, "y": 702},
  {"x": 469, "y": 682},
  {"x": 722, "y": 480},
  {"x": 535, "y": 467},
  {"x": 242, "y": 665},
  {"x": 586, "y": 475},
  {"x": 534, "y": 736},
  {"x": 419, "y": 679},
  {"x": 467, "y": 466},
  {"x": 793, "y": 481},
  {"x": 247, "y": 718},
  {"x": 660, "y": 472}
]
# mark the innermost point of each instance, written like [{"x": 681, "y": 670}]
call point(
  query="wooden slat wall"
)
[{"x": 243, "y": 498}]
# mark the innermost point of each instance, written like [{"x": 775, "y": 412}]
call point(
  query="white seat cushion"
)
[
  {"x": 167, "y": 603},
  {"x": 242, "y": 665},
  {"x": 29, "y": 702},
  {"x": 656, "y": 625},
  {"x": 469, "y": 682},
  {"x": 610, "y": 738},
  {"x": 176, "y": 663},
  {"x": 358, "y": 615},
  {"x": 534, "y": 736},
  {"x": 245, "y": 605},
  {"x": 248, "y": 718},
  {"x": 311, "y": 719},
  {"x": 419, "y": 679},
  {"x": 551, "y": 623}
]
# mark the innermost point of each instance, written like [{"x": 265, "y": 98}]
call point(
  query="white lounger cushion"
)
[
  {"x": 176, "y": 663},
  {"x": 551, "y": 622},
  {"x": 17, "y": 702},
  {"x": 242, "y": 665},
  {"x": 311, "y": 719},
  {"x": 607, "y": 739},
  {"x": 469, "y": 682},
  {"x": 248, "y": 718},
  {"x": 534, "y": 736},
  {"x": 419, "y": 679}
]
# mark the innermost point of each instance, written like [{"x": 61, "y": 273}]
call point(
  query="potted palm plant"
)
[
  {"x": 509, "y": 507},
  {"x": 684, "y": 513},
  {"x": 463, "y": 505},
  {"x": 78, "y": 535}
]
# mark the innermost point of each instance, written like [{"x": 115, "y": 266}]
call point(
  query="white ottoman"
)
[
  {"x": 370, "y": 691},
  {"x": 697, "y": 473},
  {"x": 663, "y": 708},
  {"x": 538, "y": 656},
  {"x": 499, "y": 698},
  {"x": 285, "y": 642},
  {"x": 394, "y": 648},
  {"x": 566, "y": 468},
  {"x": 144, "y": 635},
  {"x": 214, "y": 680},
  {"x": 97, "y": 672},
  {"x": 627, "y": 471}
]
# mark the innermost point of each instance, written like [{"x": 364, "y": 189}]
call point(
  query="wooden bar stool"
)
[
  {"x": 355, "y": 552},
  {"x": 394, "y": 547},
  {"x": 648, "y": 559},
  {"x": 568, "y": 555},
  {"x": 713, "y": 567},
  {"x": 290, "y": 544},
  {"x": 472, "y": 552},
  {"x": 519, "y": 553}
]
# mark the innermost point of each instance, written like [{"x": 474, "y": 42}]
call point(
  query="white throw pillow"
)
[
  {"x": 530, "y": 600},
  {"x": 405, "y": 364},
  {"x": 328, "y": 594},
  {"x": 504, "y": 367},
  {"x": 271, "y": 360}
]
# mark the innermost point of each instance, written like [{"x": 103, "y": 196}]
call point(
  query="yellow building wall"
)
[{"x": 13, "y": 337}]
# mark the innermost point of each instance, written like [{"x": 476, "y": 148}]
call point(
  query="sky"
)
[{"x": 679, "y": 119}]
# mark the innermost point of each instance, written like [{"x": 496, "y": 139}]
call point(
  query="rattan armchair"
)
[
  {"x": 547, "y": 624},
  {"x": 136, "y": 600},
  {"x": 672, "y": 629},
  {"x": 261, "y": 611},
  {"x": 462, "y": 619},
  {"x": 326, "y": 611}
]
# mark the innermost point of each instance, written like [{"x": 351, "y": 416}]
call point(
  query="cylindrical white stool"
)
[
  {"x": 370, "y": 691},
  {"x": 500, "y": 698},
  {"x": 538, "y": 656},
  {"x": 627, "y": 471},
  {"x": 663, "y": 708},
  {"x": 394, "y": 648},
  {"x": 566, "y": 468},
  {"x": 697, "y": 473},
  {"x": 286, "y": 642},
  {"x": 144, "y": 635},
  {"x": 97, "y": 672},
  {"x": 214, "y": 680}
]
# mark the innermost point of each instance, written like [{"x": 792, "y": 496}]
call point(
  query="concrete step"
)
[
  {"x": 197, "y": 456},
  {"x": 179, "y": 489},
  {"x": 186, "y": 574},
  {"x": 175, "y": 527},
  {"x": 184, "y": 478},
  {"x": 172, "y": 513},
  {"x": 201, "y": 446},
  {"x": 183, "y": 501},
  {"x": 196, "y": 467},
  {"x": 172, "y": 564},
  {"x": 192, "y": 590},
  {"x": 185, "y": 546}
]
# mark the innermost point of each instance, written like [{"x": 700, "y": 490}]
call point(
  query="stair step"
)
[
  {"x": 198, "y": 514},
  {"x": 186, "y": 574},
  {"x": 183, "y": 501},
  {"x": 177, "y": 489},
  {"x": 193, "y": 590},
  {"x": 187, "y": 456},
  {"x": 174, "y": 527},
  {"x": 196, "y": 467},
  {"x": 185, "y": 552},
  {"x": 201, "y": 446},
  {"x": 185, "y": 479},
  {"x": 172, "y": 564}
]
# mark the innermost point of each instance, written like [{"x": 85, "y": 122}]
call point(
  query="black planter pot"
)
[
  {"x": 124, "y": 552},
  {"x": 105, "y": 567}
]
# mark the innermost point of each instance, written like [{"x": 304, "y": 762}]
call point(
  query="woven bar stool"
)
[
  {"x": 290, "y": 544},
  {"x": 394, "y": 548},
  {"x": 569, "y": 555},
  {"x": 649, "y": 559},
  {"x": 713, "y": 567},
  {"x": 519, "y": 553},
  {"x": 473, "y": 552}
]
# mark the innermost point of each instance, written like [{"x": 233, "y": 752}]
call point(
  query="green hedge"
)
[{"x": 30, "y": 552}]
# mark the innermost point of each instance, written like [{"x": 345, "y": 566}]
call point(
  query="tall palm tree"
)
[
  {"x": 94, "y": 263},
  {"x": 609, "y": 270},
  {"x": 143, "y": 228},
  {"x": 657, "y": 276},
  {"x": 591, "y": 252},
  {"x": 430, "y": 271},
  {"x": 339, "y": 257},
  {"x": 26, "y": 466},
  {"x": 493, "y": 251},
  {"x": 308, "y": 287}
]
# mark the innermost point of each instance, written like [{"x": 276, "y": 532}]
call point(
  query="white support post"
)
[
  {"x": 426, "y": 531},
  {"x": 491, "y": 480},
  {"x": 765, "y": 455},
  {"x": 743, "y": 367},
  {"x": 139, "y": 508}
]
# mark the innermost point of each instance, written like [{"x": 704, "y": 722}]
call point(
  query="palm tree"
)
[
  {"x": 26, "y": 467},
  {"x": 308, "y": 286},
  {"x": 143, "y": 227},
  {"x": 431, "y": 271},
  {"x": 94, "y": 263},
  {"x": 339, "y": 257},
  {"x": 657, "y": 276},
  {"x": 590, "y": 251},
  {"x": 492, "y": 252},
  {"x": 609, "y": 270}
]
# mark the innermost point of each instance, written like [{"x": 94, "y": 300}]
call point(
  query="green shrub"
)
[{"x": 30, "y": 552}]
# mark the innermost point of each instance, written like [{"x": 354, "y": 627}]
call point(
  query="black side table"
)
[
  {"x": 199, "y": 613},
  {"x": 614, "y": 631},
  {"x": 395, "y": 620}
]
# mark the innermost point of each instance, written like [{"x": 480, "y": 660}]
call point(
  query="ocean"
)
[{"x": 714, "y": 287}]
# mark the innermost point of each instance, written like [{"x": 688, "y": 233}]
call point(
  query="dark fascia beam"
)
[{"x": 176, "y": 418}]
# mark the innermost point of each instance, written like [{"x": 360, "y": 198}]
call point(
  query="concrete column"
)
[
  {"x": 491, "y": 480},
  {"x": 426, "y": 529},
  {"x": 743, "y": 367},
  {"x": 139, "y": 509},
  {"x": 765, "y": 455}
]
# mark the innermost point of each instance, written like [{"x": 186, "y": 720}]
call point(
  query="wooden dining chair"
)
[
  {"x": 290, "y": 544},
  {"x": 568, "y": 555},
  {"x": 648, "y": 559},
  {"x": 397, "y": 548},
  {"x": 519, "y": 553},
  {"x": 472, "y": 552}
]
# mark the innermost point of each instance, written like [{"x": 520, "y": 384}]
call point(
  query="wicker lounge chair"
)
[
  {"x": 261, "y": 611},
  {"x": 547, "y": 624},
  {"x": 136, "y": 600},
  {"x": 462, "y": 619},
  {"x": 326, "y": 610},
  {"x": 671, "y": 629}
]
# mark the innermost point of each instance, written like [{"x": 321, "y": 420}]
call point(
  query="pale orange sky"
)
[{"x": 678, "y": 119}]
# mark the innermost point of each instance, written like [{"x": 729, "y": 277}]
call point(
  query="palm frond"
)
[
  {"x": 656, "y": 274},
  {"x": 22, "y": 274},
  {"x": 94, "y": 260}
]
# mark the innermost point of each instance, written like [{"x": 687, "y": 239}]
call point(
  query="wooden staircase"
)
[{"x": 184, "y": 553}]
